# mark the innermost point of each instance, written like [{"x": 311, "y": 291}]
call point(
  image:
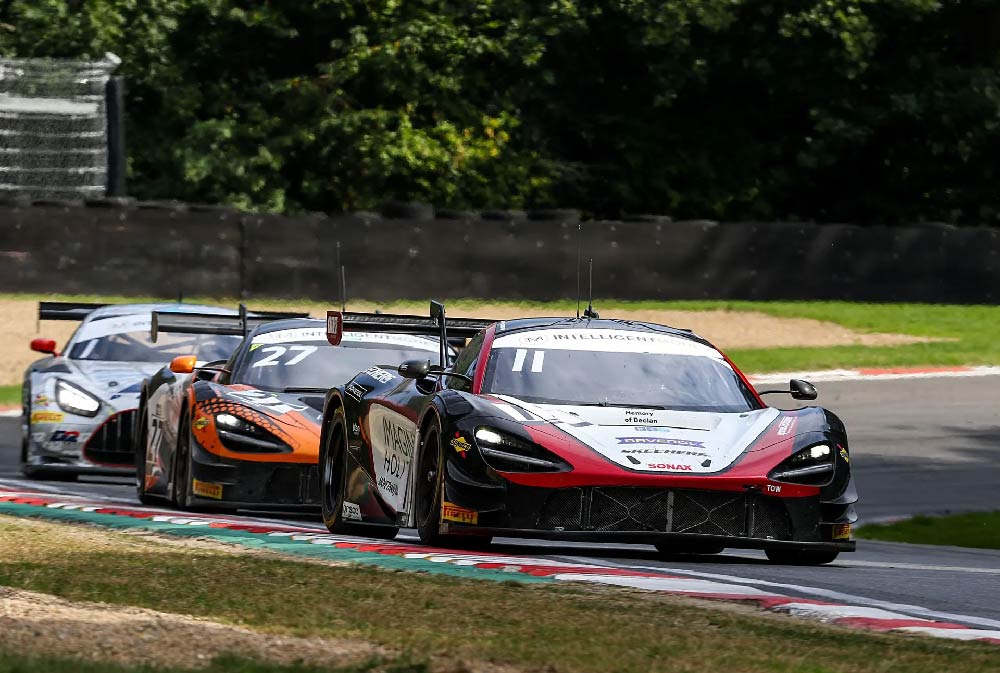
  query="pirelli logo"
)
[
  {"x": 206, "y": 490},
  {"x": 452, "y": 512}
]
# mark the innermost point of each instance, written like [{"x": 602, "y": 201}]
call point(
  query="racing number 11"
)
[{"x": 536, "y": 361}]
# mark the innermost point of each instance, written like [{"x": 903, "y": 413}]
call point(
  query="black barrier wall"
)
[{"x": 116, "y": 246}]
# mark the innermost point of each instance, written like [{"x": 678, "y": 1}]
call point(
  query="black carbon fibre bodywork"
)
[{"x": 620, "y": 504}]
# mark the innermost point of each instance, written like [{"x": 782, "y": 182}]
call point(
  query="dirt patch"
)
[
  {"x": 726, "y": 329},
  {"x": 39, "y": 623}
]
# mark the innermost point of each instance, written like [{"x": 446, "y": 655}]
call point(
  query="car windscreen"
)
[
  {"x": 127, "y": 339},
  {"x": 681, "y": 382},
  {"x": 316, "y": 364}
]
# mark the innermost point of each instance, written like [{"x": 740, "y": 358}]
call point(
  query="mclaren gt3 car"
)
[
  {"x": 244, "y": 433},
  {"x": 585, "y": 430},
  {"x": 79, "y": 405}
]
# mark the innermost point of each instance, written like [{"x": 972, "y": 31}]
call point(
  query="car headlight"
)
[
  {"x": 812, "y": 465},
  {"x": 506, "y": 453},
  {"x": 76, "y": 400},
  {"x": 238, "y": 434}
]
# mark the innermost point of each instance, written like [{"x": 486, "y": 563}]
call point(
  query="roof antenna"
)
[
  {"x": 243, "y": 319},
  {"x": 579, "y": 245},
  {"x": 590, "y": 312},
  {"x": 343, "y": 287},
  {"x": 339, "y": 266}
]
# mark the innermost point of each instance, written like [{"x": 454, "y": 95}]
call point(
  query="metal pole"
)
[{"x": 115, "y": 108}]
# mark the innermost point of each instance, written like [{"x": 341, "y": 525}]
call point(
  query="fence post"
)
[{"x": 115, "y": 99}]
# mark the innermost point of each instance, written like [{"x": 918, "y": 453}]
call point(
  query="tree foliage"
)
[{"x": 861, "y": 110}]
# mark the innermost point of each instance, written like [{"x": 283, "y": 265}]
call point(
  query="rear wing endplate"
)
[
  {"x": 213, "y": 323},
  {"x": 338, "y": 322}
]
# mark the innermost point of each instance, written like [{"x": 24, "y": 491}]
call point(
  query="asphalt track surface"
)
[{"x": 927, "y": 445}]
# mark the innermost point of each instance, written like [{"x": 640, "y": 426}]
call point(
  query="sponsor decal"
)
[
  {"x": 636, "y": 416},
  {"x": 200, "y": 422},
  {"x": 47, "y": 416},
  {"x": 650, "y": 428},
  {"x": 842, "y": 531},
  {"x": 676, "y": 452},
  {"x": 355, "y": 429},
  {"x": 452, "y": 512},
  {"x": 41, "y": 400},
  {"x": 785, "y": 426},
  {"x": 68, "y": 436},
  {"x": 460, "y": 444},
  {"x": 206, "y": 489},
  {"x": 844, "y": 454},
  {"x": 669, "y": 441},
  {"x": 356, "y": 391},
  {"x": 351, "y": 511},
  {"x": 772, "y": 488},
  {"x": 608, "y": 341},
  {"x": 393, "y": 441},
  {"x": 669, "y": 466},
  {"x": 380, "y": 375},
  {"x": 294, "y": 334},
  {"x": 259, "y": 398}
]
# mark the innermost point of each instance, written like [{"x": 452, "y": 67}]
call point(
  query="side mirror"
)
[
  {"x": 415, "y": 369},
  {"x": 802, "y": 390},
  {"x": 183, "y": 364},
  {"x": 47, "y": 346}
]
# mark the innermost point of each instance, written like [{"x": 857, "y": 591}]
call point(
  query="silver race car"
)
[{"x": 79, "y": 405}]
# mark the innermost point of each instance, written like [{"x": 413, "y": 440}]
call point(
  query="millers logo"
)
[
  {"x": 452, "y": 512},
  {"x": 668, "y": 441},
  {"x": 461, "y": 444}
]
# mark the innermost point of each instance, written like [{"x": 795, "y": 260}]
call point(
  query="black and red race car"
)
[
  {"x": 582, "y": 429},
  {"x": 244, "y": 433}
]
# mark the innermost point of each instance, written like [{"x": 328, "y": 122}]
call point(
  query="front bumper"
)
[
  {"x": 739, "y": 519},
  {"x": 682, "y": 540},
  {"x": 227, "y": 483}
]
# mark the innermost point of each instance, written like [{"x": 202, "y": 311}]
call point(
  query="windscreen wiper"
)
[{"x": 624, "y": 405}]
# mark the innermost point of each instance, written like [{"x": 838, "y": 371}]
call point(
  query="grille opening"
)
[
  {"x": 636, "y": 509},
  {"x": 112, "y": 443}
]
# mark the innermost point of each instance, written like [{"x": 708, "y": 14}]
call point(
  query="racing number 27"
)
[{"x": 275, "y": 353}]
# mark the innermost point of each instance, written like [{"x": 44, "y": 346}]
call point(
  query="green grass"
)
[
  {"x": 536, "y": 627},
  {"x": 971, "y": 329},
  {"x": 11, "y": 662},
  {"x": 980, "y": 530},
  {"x": 10, "y": 395}
]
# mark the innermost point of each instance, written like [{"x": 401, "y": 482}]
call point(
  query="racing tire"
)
[
  {"x": 333, "y": 485},
  {"x": 702, "y": 548},
  {"x": 427, "y": 499},
  {"x": 180, "y": 482},
  {"x": 797, "y": 557},
  {"x": 140, "y": 457}
]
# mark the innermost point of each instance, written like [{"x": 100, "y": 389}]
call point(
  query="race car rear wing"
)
[
  {"x": 66, "y": 310},
  {"x": 213, "y": 323},
  {"x": 338, "y": 322}
]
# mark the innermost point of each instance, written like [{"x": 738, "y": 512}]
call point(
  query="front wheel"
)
[
  {"x": 180, "y": 482},
  {"x": 428, "y": 491},
  {"x": 140, "y": 458},
  {"x": 333, "y": 485},
  {"x": 797, "y": 557}
]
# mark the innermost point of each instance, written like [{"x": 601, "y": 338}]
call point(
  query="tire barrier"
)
[{"x": 409, "y": 251}]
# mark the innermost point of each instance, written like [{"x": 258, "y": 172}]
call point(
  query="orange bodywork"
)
[{"x": 293, "y": 428}]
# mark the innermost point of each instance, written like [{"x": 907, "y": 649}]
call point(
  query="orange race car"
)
[{"x": 244, "y": 433}]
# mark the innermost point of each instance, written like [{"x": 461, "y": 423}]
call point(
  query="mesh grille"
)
[
  {"x": 630, "y": 509},
  {"x": 111, "y": 444}
]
